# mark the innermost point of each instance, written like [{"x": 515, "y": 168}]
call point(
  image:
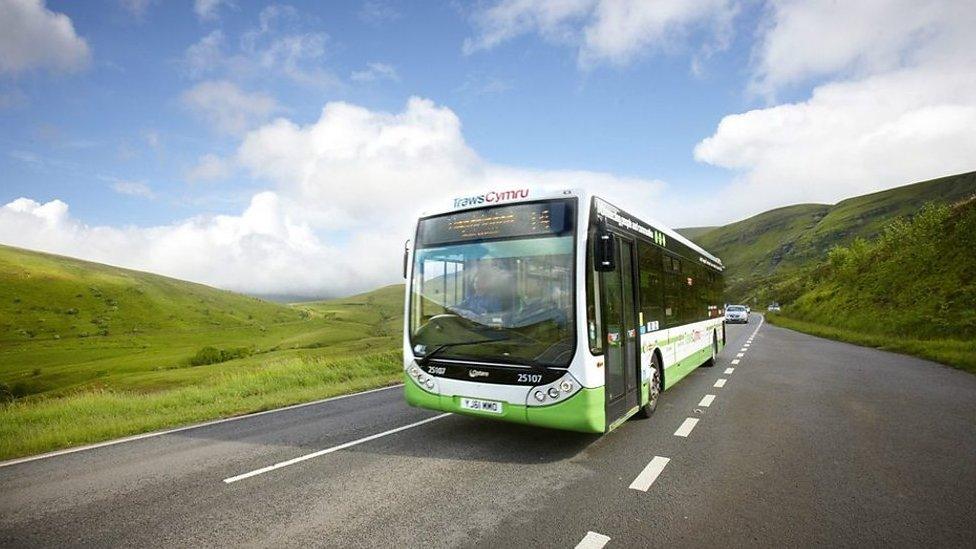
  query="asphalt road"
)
[{"x": 809, "y": 442}]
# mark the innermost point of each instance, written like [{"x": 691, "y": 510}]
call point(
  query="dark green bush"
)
[{"x": 213, "y": 355}]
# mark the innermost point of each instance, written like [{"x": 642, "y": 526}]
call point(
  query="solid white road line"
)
[
  {"x": 686, "y": 426},
  {"x": 319, "y": 453},
  {"x": 720, "y": 383},
  {"x": 187, "y": 428},
  {"x": 706, "y": 401},
  {"x": 740, "y": 355},
  {"x": 592, "y": 540},
  {"x": 729, "y": 370},
  {"x": 735, "y": 361},
  {"x": 650, "y": 473}
]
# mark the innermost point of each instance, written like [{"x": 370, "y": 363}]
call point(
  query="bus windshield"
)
[{"x": 505, "y": 299}]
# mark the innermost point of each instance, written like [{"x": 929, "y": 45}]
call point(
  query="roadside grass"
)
[
  {"x": 30, "y": 427},
  {"x": 952, "y": 352}
]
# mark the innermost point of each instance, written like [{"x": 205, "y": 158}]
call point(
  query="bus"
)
[{"x": 553, "y": 309}]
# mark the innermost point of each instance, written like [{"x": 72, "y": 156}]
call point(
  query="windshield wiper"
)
[{"x": 422, "y": 361}]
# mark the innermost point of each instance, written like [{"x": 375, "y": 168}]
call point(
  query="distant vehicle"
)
[
  {"x": 737, "y": 313},
  {"x": 773, "y": 308},
  {"x": 554, "y": 309}
]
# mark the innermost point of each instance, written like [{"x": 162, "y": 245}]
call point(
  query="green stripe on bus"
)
[{"x": 583, "y": 412}]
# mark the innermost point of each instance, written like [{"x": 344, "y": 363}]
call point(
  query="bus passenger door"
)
[{"x": 623, "y": 339}]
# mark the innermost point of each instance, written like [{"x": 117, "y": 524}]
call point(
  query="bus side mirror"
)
[
  {"x": 406, "y": 258},
  {"x": 603, "y": 252}
]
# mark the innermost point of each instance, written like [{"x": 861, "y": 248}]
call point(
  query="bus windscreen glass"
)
[{"x": 496, "y": 285}]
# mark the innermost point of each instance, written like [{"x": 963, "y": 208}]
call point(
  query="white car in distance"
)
[{"x": 736, "y": 314}]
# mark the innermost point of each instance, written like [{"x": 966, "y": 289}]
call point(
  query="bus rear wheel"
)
[{"x": 654, "y": 391}]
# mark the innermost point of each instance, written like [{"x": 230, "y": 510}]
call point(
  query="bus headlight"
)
[
  {"x": 414, "y": 371},
  {"x": 553, "y": 392},
  {"x": 566, "y": 385},
  {"x": 430, "y": 383},
  {"x": 421, "y": 378},
  {"x": 539, "y": 395}
]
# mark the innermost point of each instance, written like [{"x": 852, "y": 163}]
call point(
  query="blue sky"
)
[{"x": 145, "y": 128}]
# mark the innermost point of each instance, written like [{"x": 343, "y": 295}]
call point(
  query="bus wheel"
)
[
  {"x": 711, "y": 360},
  {"x": 654, "y": 392}
]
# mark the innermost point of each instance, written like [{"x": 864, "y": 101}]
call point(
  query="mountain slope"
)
[
  {"x": 913, "y": 288},
  {"x": 45, "y": 296},
  {"x": 776, "y": 243}
]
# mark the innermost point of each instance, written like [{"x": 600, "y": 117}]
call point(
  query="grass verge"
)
[
  {"x": 956, "y": 353},
  {"x": 31, "y": 427}
]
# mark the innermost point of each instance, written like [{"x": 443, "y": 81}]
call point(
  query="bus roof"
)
[{"x": 514, "y": 195}]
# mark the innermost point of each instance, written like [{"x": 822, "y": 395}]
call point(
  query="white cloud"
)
[
  {"x": 261, "y": 250},
  {"x": 556, "y": 20},
  {"x": 207, "y": 10},
  {"x": 606, "y": 31},
  {"x": 346, "y": 189},
  {"x": 32, "y": 37},
  {"x": 276, "y": 46},
  {"x": 813, "y": 38},
  {"x": 625, "y": 29},
  {"x": 228, "y": 108},
  {"x": 374, "y": 72},
  {"x": 376, "y": 12},
  {"x": 136, "y": 8},
  {"x": 209, "y": 167},
  {"x": 133, "y": 188},
  {"x": 901, "y": 106}
]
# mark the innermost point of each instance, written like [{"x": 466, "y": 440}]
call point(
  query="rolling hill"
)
[
  {"x": 68, "y": 326},
  {"x": 45, "y": 296},
  {"x": 776, "y": 243},
  {"x": 90, "y": 352},
  {"x": 911, "y": 289}
]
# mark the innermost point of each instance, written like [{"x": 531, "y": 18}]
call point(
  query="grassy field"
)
[
  {"x": 90, "y": 352},
  {"x": 912, "y": 289},
  {"x": 34, "y": 426},
  {"x": 765, "y": 248}
]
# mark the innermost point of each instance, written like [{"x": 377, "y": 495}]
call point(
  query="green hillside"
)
[
  {"x": 761, "y": 249},
  {"x": 694, "y": 232},
  {"x": 912, "y": 289},
  {"x": 90, "y": 352},
  {"x": 44, "y": 296}
]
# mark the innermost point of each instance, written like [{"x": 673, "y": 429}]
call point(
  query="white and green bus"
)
[{"x": 554, "y": 309}]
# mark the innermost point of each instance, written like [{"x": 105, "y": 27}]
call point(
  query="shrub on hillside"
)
[{"x": 213, "y": 355}]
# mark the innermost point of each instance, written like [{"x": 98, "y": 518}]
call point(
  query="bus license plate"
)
[{"x": 489, "y": 406}]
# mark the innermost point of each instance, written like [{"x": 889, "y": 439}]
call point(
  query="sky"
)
[{"x": 286, "y": 148}]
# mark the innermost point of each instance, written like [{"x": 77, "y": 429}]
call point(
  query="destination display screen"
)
[{"x": 553, "y": 217}]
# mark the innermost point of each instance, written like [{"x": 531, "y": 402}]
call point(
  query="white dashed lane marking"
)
[
  {"x": 735, "y": 361},
  {"x": 720, "y": 383},
  {"x": 650, "y": 473},
  {"x": 592, "y": 540},
  {"x": 706, "y": 401},
  {"x": 686, "y": 426},
  {"x": 740, "y": 355},
  {"x": 729, "y": 370}
]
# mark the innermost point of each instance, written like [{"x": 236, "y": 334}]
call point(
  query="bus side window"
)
[
  {"x": 672, "y": 289},
  {"x": 651, "y": 288}
]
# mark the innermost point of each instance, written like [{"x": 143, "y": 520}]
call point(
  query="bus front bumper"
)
[{"x": 582, "y": 412}]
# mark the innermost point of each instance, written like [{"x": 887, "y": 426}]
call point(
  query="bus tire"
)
[
  {"x": 655, "y": 389},
  {"x": 711, "y": 360}
]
